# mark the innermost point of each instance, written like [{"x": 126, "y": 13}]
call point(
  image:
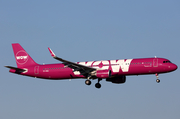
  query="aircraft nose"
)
[{"x": 173, "y": 67}]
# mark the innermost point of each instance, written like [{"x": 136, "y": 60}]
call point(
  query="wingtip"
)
[
  {"x": 51, "y": 52},
  {"x": 6, "y": 66}
]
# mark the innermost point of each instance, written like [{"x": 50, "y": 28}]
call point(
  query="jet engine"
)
[
  {"x": 117, "y": 80},
  {"x": 103, "y": 73}
]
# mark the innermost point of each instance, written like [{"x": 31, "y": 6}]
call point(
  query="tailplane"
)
[{"x": 23, "y": 59}]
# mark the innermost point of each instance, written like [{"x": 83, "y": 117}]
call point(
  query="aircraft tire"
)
[
  {"x": 88, "y": 82},
  {"x": 98, "y": 85},
  {"x": 158, "y": 81}
]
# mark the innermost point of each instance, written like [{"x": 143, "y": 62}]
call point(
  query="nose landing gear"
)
[{"x": 157, "y": 80}]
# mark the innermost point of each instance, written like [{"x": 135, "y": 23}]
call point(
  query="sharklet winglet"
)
[{"x": 52, "y": 53}]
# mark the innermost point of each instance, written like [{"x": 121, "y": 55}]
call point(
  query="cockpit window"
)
[{"x": 167, "y": 61}]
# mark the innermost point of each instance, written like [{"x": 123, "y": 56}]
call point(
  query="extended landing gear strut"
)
[
  {"x": 98, "y": 85},
  {"x": 157, "y": 80},
  {"x": 88, "y": 82}
]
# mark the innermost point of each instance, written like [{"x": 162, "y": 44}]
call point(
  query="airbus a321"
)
[{"x": 114, "y": 71}]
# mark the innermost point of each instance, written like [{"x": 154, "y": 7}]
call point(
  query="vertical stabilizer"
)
[{"x": 22, "y": 57}]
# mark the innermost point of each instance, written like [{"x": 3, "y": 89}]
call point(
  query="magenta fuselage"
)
[{"x": 122, "y": 67}]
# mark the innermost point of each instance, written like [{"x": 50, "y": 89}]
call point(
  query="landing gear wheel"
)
[
  {"x": 88, "y": 82},
  {"x": 157, "y": 80},
  {"x": 98, "y": 85}
]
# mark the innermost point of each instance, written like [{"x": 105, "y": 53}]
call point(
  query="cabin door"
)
[
  {"x": 155, "y": 62},
  {"x": 36, "y": 70}
]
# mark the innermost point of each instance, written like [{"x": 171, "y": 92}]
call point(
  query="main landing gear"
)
[
  {"x": 88, "y": 82},
  {"x": 97, "y": 85},
  {"x": 157, "y": 80}
]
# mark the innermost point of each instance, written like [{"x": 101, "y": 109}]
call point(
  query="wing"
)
[{"x": 84, "y": 70}]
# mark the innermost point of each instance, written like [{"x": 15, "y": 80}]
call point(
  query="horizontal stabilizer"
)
[{"x": 15, "y": 68}]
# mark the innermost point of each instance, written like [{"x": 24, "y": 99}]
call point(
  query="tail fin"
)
[{"x": 23, "y": 59}]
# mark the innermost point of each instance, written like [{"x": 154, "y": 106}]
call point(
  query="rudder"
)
[{"x": 23, "y": 59}]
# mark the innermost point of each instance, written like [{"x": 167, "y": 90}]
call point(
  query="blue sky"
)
[{"x": 85, "y": 31}]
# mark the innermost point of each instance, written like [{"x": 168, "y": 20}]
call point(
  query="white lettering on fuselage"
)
[{"x": 116, "y": 65}]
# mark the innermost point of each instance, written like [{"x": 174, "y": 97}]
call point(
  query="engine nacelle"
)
[
  {"x": 103, "y": 73},
  {"x": 118, "y": 80}
]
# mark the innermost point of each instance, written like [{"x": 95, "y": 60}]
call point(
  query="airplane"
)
[{"x": 114, "y": 71}]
